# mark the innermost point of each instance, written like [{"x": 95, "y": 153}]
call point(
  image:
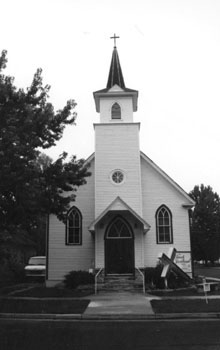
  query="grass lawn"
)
[
  {"x": 53, "y": 292},
  {"x": 207, "y": 271},
  {"x": 43, "y": 306},
  {"x": 174, "y": 292},
  {"x": 185, "y": 306},
  {"x": 180, "y": 293},
  {"x": 42, "y": 300}
]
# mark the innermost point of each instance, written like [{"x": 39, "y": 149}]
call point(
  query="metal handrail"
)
[
  {"x": 142, "y": 275},
  {"x": 96, "y": 278}
]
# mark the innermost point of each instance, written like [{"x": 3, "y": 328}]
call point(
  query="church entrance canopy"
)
[{"x": 120, "y": 207}]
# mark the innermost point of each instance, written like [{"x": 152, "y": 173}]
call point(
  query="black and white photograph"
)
[{"x": 110, "y": 174}]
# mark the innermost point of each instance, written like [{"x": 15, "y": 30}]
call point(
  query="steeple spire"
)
[
  {"x": 115, "y": 73},
  {"x": 110, "y": 95}
]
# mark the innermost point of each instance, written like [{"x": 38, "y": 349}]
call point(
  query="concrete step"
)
[
  {"x": 119, "y": 288},
  {"x": 127, "y": 282}
]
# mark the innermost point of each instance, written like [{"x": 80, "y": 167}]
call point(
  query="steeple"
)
[
  {"x": 115, "y": 76},
  {"x": 116, "y": 94}
]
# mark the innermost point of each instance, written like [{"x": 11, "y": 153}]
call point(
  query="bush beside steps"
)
[{"x": 75, "y": 279}]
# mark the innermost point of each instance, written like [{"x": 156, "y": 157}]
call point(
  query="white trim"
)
[
  {"x": 116, "y": 123},
  {"x": 117, "y": 183},
  {"x": 106, "y": 94},
  {"x": 90, "y": 158}
]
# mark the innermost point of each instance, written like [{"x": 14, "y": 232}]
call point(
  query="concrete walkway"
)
[{"x": 119, "y": 303}]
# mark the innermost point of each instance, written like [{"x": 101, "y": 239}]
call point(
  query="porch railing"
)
[
  {"x": 96, "y": 280},
  {"x": 143, "y": 278}
]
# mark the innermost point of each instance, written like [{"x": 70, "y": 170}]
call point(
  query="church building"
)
[{"x": 130, "y": 210}]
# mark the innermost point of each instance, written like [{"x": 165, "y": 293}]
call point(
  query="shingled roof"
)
[{"x": 115, "y": 73}]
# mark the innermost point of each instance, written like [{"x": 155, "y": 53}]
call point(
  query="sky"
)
[{"x": 169, "y": 51}]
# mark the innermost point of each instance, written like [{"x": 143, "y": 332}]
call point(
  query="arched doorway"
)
[{"x": 119, "y": 247}]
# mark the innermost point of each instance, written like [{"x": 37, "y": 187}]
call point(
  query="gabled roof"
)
[
  {"x": 90, "y": 158},
  {"x": 189, "y": 201},
  {"x": 119, "y": 205}
]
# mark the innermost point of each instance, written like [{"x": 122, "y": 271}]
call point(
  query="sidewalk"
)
[
  {"x": 119, "y": 304},
  {"x": 126, "y": 305}
]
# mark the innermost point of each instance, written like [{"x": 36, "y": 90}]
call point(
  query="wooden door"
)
[{"x": 119, "y": 248}]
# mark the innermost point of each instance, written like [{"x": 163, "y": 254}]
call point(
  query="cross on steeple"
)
[{"x": 114, "y": 37}]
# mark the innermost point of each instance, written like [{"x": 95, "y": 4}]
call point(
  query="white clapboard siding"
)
[
  {"x": 117, "y": 147},
  {"x": 63, "y": 258},
  {"x": 126, "y": 109},
  {"x": 138, "y": 248},
  {"x": 156, "y": 190}
]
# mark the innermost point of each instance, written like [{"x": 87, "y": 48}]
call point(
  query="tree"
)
[
  {"x": 205, "y": 230},
  {"x": 31, "y": 184}
]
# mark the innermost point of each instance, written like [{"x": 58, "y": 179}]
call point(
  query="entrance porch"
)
[{"x": 119, "y": 242}]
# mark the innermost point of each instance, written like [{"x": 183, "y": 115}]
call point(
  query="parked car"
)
[{"x": 36, "y": 267}]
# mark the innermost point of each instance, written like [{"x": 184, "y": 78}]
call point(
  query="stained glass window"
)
[
  {"x": 74, "y": 227},
  {"x": 164, "y": 225},
  {"x": 119, "y": 229}
]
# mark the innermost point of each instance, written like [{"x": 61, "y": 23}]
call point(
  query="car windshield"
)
[{"x": 37, "y": 261}]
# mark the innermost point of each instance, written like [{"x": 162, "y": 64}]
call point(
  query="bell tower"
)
[{"x": 117, "y": 153}]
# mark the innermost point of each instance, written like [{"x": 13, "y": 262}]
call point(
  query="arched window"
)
[
  {"x": 74, "y": 227},
  {"x": 164, "y": 225},
  {"x": 119, "y": 228},
  {"x": 116, "y": 111}
]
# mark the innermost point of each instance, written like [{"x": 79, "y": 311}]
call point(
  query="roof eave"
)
[
  {"x": 146, "y": 226},
  {"x": 109, "y": 94},
  {"x": 188, "y": 206}
]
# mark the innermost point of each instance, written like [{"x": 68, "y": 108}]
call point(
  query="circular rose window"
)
[{"x": 117, "y": 176}]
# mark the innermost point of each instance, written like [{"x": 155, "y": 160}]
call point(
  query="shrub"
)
[
  {"x": 6, "y": 276},
  {"x": 19, "y": 273},
  {"x": 152, "y": 277},
  {"x": 75, "y": 278},
  {"x": 175, "y": 281},
  {"x": 12, "y": 274},
  {"x": 154, "y": 281}
]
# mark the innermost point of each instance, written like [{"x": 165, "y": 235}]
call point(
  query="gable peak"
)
[{"x": 115, "y": 88}]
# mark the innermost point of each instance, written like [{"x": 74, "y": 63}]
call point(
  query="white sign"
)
[
  {"x": 206, "y": 287},
  {"x": 184, "y": 261}
]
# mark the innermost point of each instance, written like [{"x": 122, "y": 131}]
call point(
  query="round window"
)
[{"x": 117, "y": 176}]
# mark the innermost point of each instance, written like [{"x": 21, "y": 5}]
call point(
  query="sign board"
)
[
  {"x": 184, "y": 261},
  {"x": 206, "y": 287},
  {"x": 168, "y": 261}
]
